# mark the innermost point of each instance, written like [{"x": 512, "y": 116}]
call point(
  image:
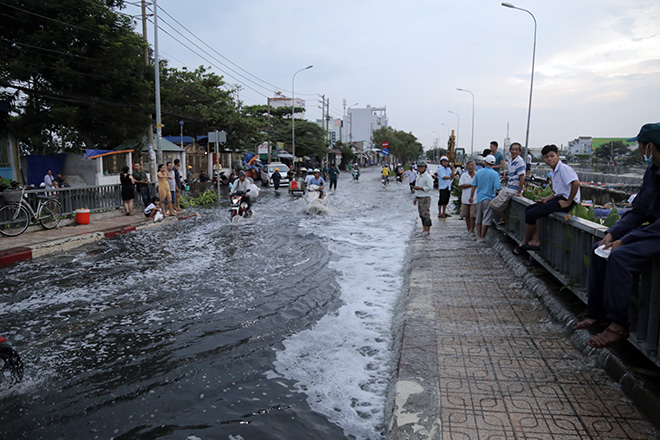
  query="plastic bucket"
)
[{"x": 82, "y": 216}]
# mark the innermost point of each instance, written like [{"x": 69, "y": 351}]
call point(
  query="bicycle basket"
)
[{"x": 12, "y": 195}]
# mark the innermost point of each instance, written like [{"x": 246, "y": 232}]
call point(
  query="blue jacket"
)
[{"x": 646, "y": 208}]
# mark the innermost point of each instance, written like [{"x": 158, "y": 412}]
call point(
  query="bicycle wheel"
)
[
  {"x": 50, "y": 214},
  {"x": 14, "y": 220}
]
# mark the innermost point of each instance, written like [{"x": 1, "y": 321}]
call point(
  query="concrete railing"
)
[{"x": 566, "y": 253}]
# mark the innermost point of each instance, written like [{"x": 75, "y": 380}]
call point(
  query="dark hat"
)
[{"x": 648, "y": 133}]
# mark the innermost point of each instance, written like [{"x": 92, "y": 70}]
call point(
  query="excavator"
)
[{"x": 455, "y": 155}]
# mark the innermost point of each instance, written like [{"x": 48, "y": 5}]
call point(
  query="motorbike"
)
[
  {"x": 11, "y": 365},
  {"x": 356, "y": 175},
  {"x": 313, "y": 199},
  {"x": 412, "y": 186},
  {"x": 385, "y": 180},
  {"x": 239, "y": 207}
]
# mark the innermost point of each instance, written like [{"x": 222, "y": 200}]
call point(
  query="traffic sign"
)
[
  {"x": 386, "y": 145},
  {"x": 385, "y": 152}
]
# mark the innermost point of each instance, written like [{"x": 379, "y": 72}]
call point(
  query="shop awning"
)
[{"x": 93, "y": 154}]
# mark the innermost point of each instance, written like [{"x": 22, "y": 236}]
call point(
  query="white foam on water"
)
[{"x": 344, "y": 363}]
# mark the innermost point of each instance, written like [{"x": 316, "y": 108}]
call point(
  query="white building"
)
[
  {"x": 581, "y": 145},
  {"x": 286, "y": 102},
  {"x": 360, "y": 122}
]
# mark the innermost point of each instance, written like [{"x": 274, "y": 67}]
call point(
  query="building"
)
[
  {"x": 360, "y": 122},
  {"x": 581, "y": 145},
  {"x": 286, "y": 102}
]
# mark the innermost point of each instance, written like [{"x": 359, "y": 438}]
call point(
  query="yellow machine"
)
[{"x": 455, "y": 155}]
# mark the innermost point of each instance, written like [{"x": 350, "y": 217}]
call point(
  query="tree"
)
[
  {"x": 610, "y": 152},
  {"x": 73, "y": 72},
  {"x": 403, "y": 146}
]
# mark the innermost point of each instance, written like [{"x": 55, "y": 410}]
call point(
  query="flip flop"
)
[
  {"x": 518, "y": 250},
  {"x": 601, "y": 340},
  {"x": 529, "y": 247},
  {"x": 589, "y": 323}
]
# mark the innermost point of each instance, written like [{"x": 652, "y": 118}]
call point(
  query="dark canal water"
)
[{"x": 278, "y": 327}]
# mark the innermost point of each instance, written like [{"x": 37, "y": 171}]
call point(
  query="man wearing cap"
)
[
  {"x": 632, "y": 242},
  {"x": 445, "y": 175},
  {"x": 242, "y": 185},
  {"x": 423, "y": 188},
  {"x": 486, "y": 182},
  {"x": 318, "y": 181}
]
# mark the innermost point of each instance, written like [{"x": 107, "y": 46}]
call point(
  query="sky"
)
[{"x": 597, "y": 65}]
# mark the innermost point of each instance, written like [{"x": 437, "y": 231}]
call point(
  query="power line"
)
[{"x": 49, "y": 18}]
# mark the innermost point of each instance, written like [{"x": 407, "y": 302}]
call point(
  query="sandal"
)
[
  {"x": 608, "y": 337},
  {"x": 588, "y": 323},
  {"x": 518, "y": 250}
]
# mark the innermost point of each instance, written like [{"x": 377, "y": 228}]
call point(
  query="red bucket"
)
[{"x": 82, "y": 216}]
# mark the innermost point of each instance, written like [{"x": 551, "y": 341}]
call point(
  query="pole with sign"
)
[{"x": 385, "y": 151}]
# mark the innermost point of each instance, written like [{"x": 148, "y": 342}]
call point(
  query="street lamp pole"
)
[
  {"x": 293, "y": 114},
  {"x": 531, "y": 83},
  {"x": 458, "y": 124},
  {"x": 448, "y": 129},
  {"x": 472, "y": 138}
]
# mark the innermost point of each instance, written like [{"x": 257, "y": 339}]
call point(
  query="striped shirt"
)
[{"x": 516, "y": 169}]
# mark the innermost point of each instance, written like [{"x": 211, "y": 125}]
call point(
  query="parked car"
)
[{"x": 268, "y": 170}]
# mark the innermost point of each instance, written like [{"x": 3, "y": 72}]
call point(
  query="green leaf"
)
[{"x": 612, "y": 218}]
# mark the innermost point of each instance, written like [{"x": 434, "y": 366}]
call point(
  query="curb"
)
[
  {"x": 14, "y": 255},
  {"x": 614, "y": 366}
]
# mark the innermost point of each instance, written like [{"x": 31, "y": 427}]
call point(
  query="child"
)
[
  {"x": 151, "y": 210},
  {"x": 566, "y": 193}
]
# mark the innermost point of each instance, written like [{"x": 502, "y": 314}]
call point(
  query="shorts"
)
[
  {"x": 162, "y": 193},
  {"x": 424, "y": 209},
  {"x": 484, "y": 213},
  {"x": 444, "y": 197},
  {"x": 501, "y": 201},
  {"x": 173, "y": 195},
  {"x": 468, "y": 210},
  {"x": 528, "y": 167}
]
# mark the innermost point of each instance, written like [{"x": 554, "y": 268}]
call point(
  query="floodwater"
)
[{"x": 278, "y": 327}]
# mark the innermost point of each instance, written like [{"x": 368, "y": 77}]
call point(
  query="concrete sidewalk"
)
[
  {"x": 37, "y": 242},
  {"x": 481, "y": 357}
]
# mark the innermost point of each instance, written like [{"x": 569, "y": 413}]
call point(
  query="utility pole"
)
[
  {"x": 159, "y": 125},
  {"x": 150, "y": 127}
]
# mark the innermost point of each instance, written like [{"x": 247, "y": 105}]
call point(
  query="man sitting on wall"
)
[{"x": 632, "y": 242}]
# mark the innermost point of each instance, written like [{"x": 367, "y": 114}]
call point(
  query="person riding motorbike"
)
[
  {"x": 242, "y": 186},
  {"x": 385, "y": 174},
  {"x": 317, "y": 180}
]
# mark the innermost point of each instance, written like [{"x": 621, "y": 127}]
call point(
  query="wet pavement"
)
[{"x": 481, "y": 357}]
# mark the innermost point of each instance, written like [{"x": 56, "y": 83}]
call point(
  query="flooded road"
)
[{"x": 278, "y": 327}]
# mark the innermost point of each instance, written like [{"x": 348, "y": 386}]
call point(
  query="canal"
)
[{"x": 278, "y": 327}]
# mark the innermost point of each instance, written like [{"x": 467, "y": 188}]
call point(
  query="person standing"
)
[
  {"x": 633, "y": 241},
  {"x": 423, "y": 188},
  {"x": 499, "y": 157},
  {"x": 141, "y": 183},
  {"x": 486, "y": 182},
  {"x": 333, "y": 172},
  {"x": 172, "y": 185},
  {"x": 528, "y": 164},
  {"x": 445, "y": 178},
  {"x": 164, "y": 189},
  {"x": 49, "y": 180},
  {"x": 178, "y": 185},
  {"x": 515, "y": 183},
  {"x": 412, "y": 177},
  {"x": 127, "y": 189},
  {"x": 468, "y": 209}
]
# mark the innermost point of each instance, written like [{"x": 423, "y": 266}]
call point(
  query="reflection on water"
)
[{"x": 277, "y": 327}]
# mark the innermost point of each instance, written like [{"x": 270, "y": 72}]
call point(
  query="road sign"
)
[
  {"x": 385, "y": 152},
  {"x": 386, "y": 145}
]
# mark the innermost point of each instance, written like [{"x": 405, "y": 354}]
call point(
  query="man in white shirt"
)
[
  {"x": 423, "y": 188},
  {"x": 515, "y": 183},
  {"x": 49, "y": 180},
  {"x": 468, "y": 210}
]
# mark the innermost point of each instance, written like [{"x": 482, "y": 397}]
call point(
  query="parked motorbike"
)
[
  {"x": 11, "y": 365},
  {"x": 239, "y": 207}
]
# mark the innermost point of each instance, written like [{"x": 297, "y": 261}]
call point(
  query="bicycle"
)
[{"x": 17, "y": 214}]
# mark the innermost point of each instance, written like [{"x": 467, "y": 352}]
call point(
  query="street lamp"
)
[
  {"x": 448, "y": 129},
  {"x": 293, "y": 114},
  {"x": 531, "y": 83},
  {"x": 472, "y": 138},
  {"x": 458, "y": 124}
]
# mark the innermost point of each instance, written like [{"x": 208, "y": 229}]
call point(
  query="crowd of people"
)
[{"x": 616, "y": 259}]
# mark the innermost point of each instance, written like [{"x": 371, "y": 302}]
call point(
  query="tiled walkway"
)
[{"x": 481, "y": 358}]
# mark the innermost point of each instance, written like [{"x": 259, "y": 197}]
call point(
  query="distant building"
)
[
  {"x": 286, "y": 102},
  {"x": 360, "y": 122},
  {"x": 581, "y": 145}
]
